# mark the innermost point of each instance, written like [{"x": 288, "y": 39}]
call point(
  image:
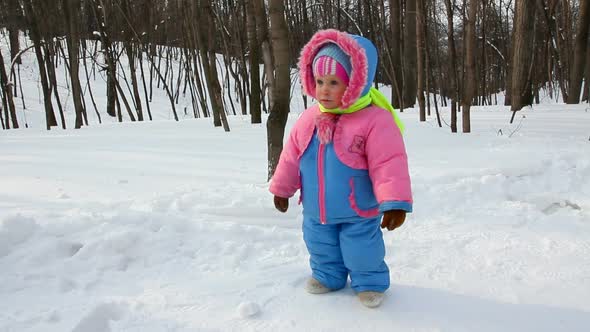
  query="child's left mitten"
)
[{"x": 393, "y": 219}]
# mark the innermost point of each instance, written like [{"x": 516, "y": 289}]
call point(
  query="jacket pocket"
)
[{"x": 362, "y": 199}]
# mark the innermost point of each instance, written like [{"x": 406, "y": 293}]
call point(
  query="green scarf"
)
[{"x": 374, "y": 97}]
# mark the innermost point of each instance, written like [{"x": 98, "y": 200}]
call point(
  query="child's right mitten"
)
[{"x": 281, "y": 203}]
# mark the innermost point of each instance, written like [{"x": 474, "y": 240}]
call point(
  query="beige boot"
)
[
  {"x": 315, "y": 287},
  {"x": 371, "y": 299}
]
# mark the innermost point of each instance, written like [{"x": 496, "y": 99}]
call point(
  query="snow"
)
[
  {"x": 169, "y": 226},
  {"x": 248, "y": 309}
]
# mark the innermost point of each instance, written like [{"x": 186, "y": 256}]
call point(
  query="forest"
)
[{"x": 433, "y": 54}]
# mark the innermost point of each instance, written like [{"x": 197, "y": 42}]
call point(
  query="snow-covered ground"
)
[{"x": 169, "y": 226}]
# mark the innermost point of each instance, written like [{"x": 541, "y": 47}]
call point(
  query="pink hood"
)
[{"x": 358, "y": 59}]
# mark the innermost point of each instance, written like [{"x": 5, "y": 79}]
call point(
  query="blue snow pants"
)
[{"x": 343, "y": 249}]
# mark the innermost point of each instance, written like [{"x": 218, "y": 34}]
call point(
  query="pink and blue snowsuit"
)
[{"x": 350, "y": 168}]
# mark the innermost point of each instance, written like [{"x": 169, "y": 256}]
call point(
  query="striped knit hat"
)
[{"x": 331, "y": 60}]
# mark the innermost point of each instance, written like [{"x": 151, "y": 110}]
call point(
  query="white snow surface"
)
[{"x": 169, "y": 226}]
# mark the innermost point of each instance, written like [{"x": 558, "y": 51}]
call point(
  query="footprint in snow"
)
[{"x": 97, "y": 320}]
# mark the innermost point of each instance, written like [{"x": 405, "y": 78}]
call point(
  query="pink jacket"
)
[{"x": 366, "y": 140}]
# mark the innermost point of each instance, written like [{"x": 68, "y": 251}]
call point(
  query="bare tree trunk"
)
[
  {"x": 71, "y": 10},
  {"x": 264, "y": 38},
  {"x": 564, "y": 30},
  {"x": 410, "y": 55},
  {"x": 111, "y": 70},
  {"x": 195, "y": 43},
  {"x": 483, "y": 63},
  {"x": 228, "y": 58},
  {"x": 253, "y": 47},
  {"x": 145, "y": 91},
  {"x": 127, "y": 106},
  {"x": 282, "y": 84},
  {"x": 7, "y": 99},
  {"x": 4, "y": 104},
  {"x": 420, "y": 31},
  {"x": 242, "y": 83},
  {"x": 555, "y": 42},
  {"x": 452, "y": 65},
  {"x": 396, "y": 53},
  {"x": 509, "y": 52},
  {"x": 427, "y": 67},
  {"x": 129, "y": 47},
  {"x": 522, "y": 54},
  {"x": 99, "y": 12},
  {"x": 85, "y": 49},
  {"x": 13, "y": 37},
  {"x": 210, "y": 65},
  {"x": 50, "y": 50},
  {"x": 581, "y": 42},
  {"x": 587, "y": 75},
  {"x": 470, "y": 84},
  {"x": 3, "y": 108},
  {"x": 31, "y": 17},
  {"x": 11, "y": 16},
  {"x": 431, "y": 78},
  {"x": 237, "y": 42},
  {"x": 388, "y": 66},
  {"x": 217, "y": 97}
]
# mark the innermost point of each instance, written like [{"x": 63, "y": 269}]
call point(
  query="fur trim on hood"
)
[{"x": 363, "y": 58}]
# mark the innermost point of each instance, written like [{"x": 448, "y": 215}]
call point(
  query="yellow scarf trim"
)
[{"x": 374, "y": 97}]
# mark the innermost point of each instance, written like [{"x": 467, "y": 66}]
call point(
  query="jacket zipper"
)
[{"x": 321, "y": 191}]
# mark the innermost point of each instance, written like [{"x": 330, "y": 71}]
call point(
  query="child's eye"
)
[
  {"x": 334, "y": 82},
  {"x": 319, "y": 82}
]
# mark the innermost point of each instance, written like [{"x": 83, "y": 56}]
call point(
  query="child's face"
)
[{"x": 329, "y": 90}]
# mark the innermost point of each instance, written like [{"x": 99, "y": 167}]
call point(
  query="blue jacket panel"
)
[{"x": 347, "y": 192}]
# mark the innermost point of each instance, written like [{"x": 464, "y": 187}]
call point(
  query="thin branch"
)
[{"x": 344, "y": 11}]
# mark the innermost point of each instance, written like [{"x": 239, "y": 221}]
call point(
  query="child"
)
[{"x": 348, "y": 158}]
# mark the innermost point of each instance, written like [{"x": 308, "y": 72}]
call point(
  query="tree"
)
[
  {"x": 254, "y": 57},
  {"x": 100, "y": 14},
  {"x": 6, "y": 94},
  {"x": 522, "y": 55},
  {"x": 279, "y": 109},
  {"x": 32, "y": 21},
  {"x": 452, "y": 64},
  {"x": 420, "y": 43},
  {"x": 264, "y": 39},
  {"x": 71, "y": 10},
  {"x": 581, "y": 42},
  {"x": 558, "y": 47},
  {"x": 470, "y": 82},
  {"x": 410, "y": 54},
  {"x": 206, "y": 31},
  {"x": 587, "y": 75},
  {"x": 395, "y": 50},
  {"x": 130, "y": 47},
  {"x": 13, "y": 17}
]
